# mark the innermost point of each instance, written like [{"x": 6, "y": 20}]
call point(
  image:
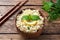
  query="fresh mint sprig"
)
[{"x": 30, "y": 17}]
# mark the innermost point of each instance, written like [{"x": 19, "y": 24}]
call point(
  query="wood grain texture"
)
[
  {"x": 4, "y": 10},
  {"x": 5, "y": 39},
  {"x": 9, "y": 25},
  {"x": 13, "y": 2},
  {"x": 20, "y": 37}
]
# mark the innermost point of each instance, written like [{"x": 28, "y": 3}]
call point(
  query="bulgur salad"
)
[{"x": 29, "y": 21}]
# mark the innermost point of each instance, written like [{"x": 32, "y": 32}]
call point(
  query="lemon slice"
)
[{"x": 30, "y": 23}]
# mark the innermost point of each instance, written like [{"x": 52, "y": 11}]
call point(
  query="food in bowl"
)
[{"x": 29, "y": 21}]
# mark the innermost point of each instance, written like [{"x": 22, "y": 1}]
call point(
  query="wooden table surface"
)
[{"x": 8, "y": 30}]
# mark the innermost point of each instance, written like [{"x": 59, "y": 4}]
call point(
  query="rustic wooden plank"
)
[
  {"x": 4, "y": 10},
  {"x": 52, "y": 29},
  {"x": 56, "y": 22},
  {"x": 10, "y": 36},
  {"x": 13, "y": 2},
  {"x": 5, "y": 39},
  {"x": 20, "y": 37},
  {"x": 9, "y": 25}
]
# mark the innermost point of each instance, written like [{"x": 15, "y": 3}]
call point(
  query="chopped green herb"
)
[{"x": 28, "y": 28}]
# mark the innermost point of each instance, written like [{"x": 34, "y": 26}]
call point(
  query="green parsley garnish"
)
[{"x": 52, "y": 8}]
